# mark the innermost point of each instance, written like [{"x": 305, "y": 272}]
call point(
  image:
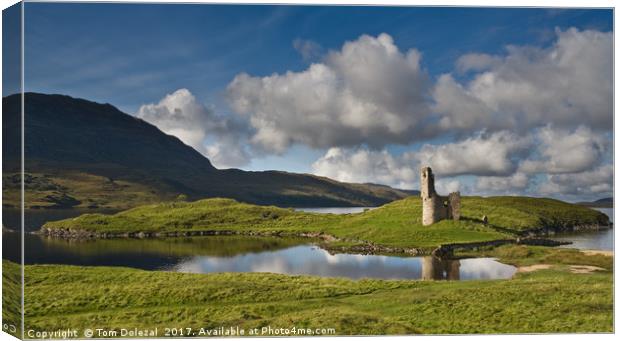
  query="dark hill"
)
[
  {"x": 604, "y": 202},
  {"x": 81, "y": 153}
]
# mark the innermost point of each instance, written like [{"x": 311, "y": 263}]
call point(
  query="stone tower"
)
[
  {"x": 432, "y": 205},
  {"x": 435, "y": 207}
]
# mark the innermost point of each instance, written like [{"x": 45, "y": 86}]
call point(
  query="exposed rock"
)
[{"x": 61, "y": 200}]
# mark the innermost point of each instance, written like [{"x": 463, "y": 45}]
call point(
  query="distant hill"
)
[
  {"x": 85, "y": 154},
  {"x": 604, "y": 202}
]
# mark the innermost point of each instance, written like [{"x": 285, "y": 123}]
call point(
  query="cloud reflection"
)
[{"x": 311, "y": 260}]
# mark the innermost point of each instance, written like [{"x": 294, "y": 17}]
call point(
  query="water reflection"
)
[
  {"x": 311, "y": 260},
  {"x": 334, "y": 210},
  {"x": 588, "y": 240},
  {"x": 609, "y": 211},
  {"x": 148, "y": 254},
  {"x": 591, "y": 240},
  {"x": 35, "y": 218},
  {"x": 247, "y": 254},
  {"x": 437, "y": 269}
]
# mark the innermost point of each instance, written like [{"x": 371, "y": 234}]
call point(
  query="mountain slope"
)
[
  {"x": 603, "y": 203},
  {"x": 81, "y": 153}
]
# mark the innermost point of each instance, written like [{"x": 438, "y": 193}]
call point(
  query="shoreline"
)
[
  {"x": 359, "y": 247},
  {"x": 609, "y": 253}
]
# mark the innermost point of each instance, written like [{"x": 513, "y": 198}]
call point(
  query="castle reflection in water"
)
[{"x": 434, "y": 268}]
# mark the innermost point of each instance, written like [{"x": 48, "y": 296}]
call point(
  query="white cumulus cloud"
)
[
  {"x": 482, "y": 154},
  {"x": 446, "y": 186},
  {"x": 476, "y": 62},
  {"x": 598, "y": 181},
  {"x": 363, "y": 166},
  {"x": 568, "y": 83},
  {"x": 502, "y": 184},
  {"x": 530, "y": 120},
  {"x": 180, "y": 114},
  {"x": 564, "y": 151},
  {"x": 369, "y": 92}
]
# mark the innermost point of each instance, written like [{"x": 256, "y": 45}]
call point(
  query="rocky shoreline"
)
[
  {"x": 554, "y": 229},
  {"x": 447, "y": 250},
  {"x": 84, "y": 234},
  {"x": 358, "y": 247}
]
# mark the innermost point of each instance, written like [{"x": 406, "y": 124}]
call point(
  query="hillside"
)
[
  {"x": 395, "y": 225},
  {"x": 84, "y": 154},
  {"x": 604, "y": 202}
]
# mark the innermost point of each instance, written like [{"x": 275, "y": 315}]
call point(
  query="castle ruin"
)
[{"x": 434, "y": 206}]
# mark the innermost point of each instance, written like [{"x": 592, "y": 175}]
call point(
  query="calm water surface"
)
[
  {"x": 334, "y": 210},
  {"x": 247, "y": 254},
  {"x": 34, "y": 218},
  {"x": 595, "y": 240}
]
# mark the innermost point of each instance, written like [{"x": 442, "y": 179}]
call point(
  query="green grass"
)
[
  {"x": 544, "y": 301},
  {"x": 396, "y": 225},
  {"x": 75, "y": 189},
  {"x": 11, "y": 298},
  {"x": 220, "y": 246},
  {"x": 524, "y": 213},
  {"x": 522, "y": 255}
]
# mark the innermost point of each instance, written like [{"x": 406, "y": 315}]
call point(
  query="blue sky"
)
[{"x": 132, "y": 55}]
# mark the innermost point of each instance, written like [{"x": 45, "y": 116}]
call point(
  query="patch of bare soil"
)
[
  {"x": 598, "y": 252},
  {"x": 584, "y": 269},
  {"x": 534, "y": 267}
]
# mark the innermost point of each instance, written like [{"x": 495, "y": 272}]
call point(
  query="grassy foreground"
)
[
  {"x": 397, "y": 224},
  {"x": 553, "y": 300},
  {"x": 11, "y": 298}
]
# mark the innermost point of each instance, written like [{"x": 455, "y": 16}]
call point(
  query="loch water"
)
[
  {"x": 591, "y": 240},
  {"x": 256, "y": 254},
  {"x": 246, "y": 254}
]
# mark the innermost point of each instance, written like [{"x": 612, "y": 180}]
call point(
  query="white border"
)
[{"x": 471, "y": 3}]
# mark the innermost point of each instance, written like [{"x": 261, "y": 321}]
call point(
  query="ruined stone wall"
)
[
  {"x": 435, "y": 207},
  {"x": 454, "y": 206}
]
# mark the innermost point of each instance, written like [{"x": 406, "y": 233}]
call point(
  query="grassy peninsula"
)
[
  {"x": 395, "y": 225},
  {"x": 550, "y": 300}
]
